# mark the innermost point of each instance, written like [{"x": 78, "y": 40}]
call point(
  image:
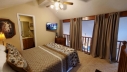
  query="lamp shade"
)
[{"x": 2, "y": 36}]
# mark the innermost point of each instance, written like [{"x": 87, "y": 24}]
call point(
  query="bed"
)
[{"x": 50, "y": 57}]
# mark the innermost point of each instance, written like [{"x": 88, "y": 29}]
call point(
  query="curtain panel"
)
[
  {"x": 104, "y": 39},
  {"x": 112, "y": 35},
  {"x": 76, "y": 33},
  {"x": 98, "y": 37},
  {"x": 61, "y": 29}
]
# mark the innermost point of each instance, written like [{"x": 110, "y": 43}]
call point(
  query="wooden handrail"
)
[
  {"x": 122, "y": 67},
  {"x": 87, "y": 42},
  {"x": 119, "y": 50}
]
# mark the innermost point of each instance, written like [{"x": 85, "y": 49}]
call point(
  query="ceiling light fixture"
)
[
  {"x": 57, "y": 6},
  {"x": 52, "y": 6}
]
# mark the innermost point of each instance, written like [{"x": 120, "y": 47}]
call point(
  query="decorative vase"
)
[{"x": 56, "y": 35}]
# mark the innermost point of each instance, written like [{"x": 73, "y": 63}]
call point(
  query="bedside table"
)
[{"x": 61, "y": 41}]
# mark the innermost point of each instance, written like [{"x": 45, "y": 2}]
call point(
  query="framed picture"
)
[
  {"x": 7, "y": 27},
  {"x": 31, "y": 24}
]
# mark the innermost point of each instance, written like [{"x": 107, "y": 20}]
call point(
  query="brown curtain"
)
[
  {"x": 76, "y": 33},
  {"x": 104, "y": 40},
  {"x": 98, "y": 36},
  {"x": 61, "y": 29},
  {"x": 112, "y": 34}
]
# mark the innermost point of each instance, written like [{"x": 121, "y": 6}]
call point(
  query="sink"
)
[{"x": 26, "y": 37}]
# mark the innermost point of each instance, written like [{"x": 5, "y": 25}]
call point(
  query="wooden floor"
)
[{"x": 90, "y": 64}]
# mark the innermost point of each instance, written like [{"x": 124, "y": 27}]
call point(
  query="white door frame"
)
[{"x": 34, "y": 26}]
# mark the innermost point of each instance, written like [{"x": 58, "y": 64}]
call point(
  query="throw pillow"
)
[{"x": 15, "y": 60}]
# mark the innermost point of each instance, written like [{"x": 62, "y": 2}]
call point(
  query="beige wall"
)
[{"x": 42, "y": 15}]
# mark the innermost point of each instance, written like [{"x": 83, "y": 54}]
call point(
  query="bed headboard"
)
[{"x": 123, "y": 58}]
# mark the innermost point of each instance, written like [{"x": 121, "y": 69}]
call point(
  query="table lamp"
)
[{"x": 2, "y": 37}]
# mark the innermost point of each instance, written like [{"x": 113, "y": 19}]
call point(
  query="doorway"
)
[{"x": 27, "y": 31}]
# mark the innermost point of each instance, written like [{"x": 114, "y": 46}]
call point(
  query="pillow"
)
[
  {"x": 9, "y": 46},
  {"x": 4, "y": 67},
  {"x": 2, "y": 48},
  {"x": 16, "y": 61}
]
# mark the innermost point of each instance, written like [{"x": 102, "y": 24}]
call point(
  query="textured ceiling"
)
[
  {"x": 91, "y": 7},
  {"x": 9, "y": 3},
  {"x": 81, "y": 8}
]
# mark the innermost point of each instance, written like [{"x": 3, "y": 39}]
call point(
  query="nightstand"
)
[{"x": 61, "y": 41}]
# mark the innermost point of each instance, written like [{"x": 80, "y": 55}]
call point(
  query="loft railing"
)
[
  {"x": 67, "y": 39},
  {"x": 87, "y": 42},
  {"x": 119, "y": 44}
]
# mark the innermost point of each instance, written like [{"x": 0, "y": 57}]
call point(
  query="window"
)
[
  {"x": 122, "y": 35},
  {"x": 66, "y": 30},
  {"x": 87, "y": 31}
]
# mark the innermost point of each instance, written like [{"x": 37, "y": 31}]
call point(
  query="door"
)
[{"x": 27, "y": 31}]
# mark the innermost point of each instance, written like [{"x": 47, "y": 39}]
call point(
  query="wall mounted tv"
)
[{"x": 51, "y": 26}]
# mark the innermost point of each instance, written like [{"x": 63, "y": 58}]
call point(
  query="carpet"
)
[{"x": 90, "y": 64}]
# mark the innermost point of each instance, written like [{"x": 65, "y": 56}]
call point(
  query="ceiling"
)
[
  {"x": 91, "y": 7},
  {"x": 81, "y": 8},
  {"x": 10, "y": 3}
]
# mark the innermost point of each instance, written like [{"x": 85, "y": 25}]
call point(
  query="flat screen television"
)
[{"x": 51, "y": 26}]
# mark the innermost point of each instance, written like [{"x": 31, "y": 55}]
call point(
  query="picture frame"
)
[
  {"x": 7, "y": 27},
  {"x": 31, "y": 26}
]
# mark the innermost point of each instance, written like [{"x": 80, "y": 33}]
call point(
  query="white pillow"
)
[
  {"x": 4, "y": 67},
  {"x": 2, "y": 48}
]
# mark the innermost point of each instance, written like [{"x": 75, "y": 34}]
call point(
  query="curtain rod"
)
[{"x": 123, "y": 13}]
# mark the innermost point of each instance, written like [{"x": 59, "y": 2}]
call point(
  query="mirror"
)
[{"x": 27, "y": 31}]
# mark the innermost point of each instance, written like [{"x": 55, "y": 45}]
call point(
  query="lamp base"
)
[{"x": 3, "y": 42}]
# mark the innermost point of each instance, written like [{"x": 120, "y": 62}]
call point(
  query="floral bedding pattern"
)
[
  {"x": 72, "y": 54},
  {"x": 15, "y": 58}
]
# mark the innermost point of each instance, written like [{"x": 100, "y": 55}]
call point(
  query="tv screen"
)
[{"x": 51, "y": 26}]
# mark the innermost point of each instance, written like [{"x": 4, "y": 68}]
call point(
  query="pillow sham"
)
[
  {"x": 9, "y": 46},
  {"x": 17, "y": 63},
  {"x": 15, "y": 60}
]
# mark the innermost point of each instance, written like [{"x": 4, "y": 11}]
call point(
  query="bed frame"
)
[{"x": 123, "y": 58}]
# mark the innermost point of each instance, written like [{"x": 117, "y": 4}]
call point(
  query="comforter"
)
[{"x": 47, "y": 58}]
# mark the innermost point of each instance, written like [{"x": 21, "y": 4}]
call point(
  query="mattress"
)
[{"x": 47, "y": 59}]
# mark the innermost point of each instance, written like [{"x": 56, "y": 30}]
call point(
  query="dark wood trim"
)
[
  {"x": 84, "y": 18},
  {"x": 122, "y": 14},
  {"x": 66, "y": 20},
  {"x": 89, "y": 18}
]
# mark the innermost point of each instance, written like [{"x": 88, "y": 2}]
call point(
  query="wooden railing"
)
[
  {"x": 87, "y": 42},
  {"x": 119, "y": 44},
  {"x": 122, "y": 67},
  {"x": 67, "y": 39}
]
